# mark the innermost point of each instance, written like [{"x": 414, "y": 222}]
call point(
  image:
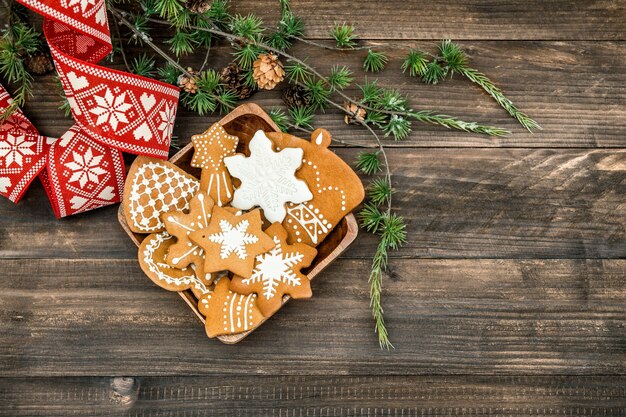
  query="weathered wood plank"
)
[
  {"x": 508, "y": 317},
  {"x": 458, "y": 203},
  {"x": 258, "y": 395},
  {"x": 457, "y": 19},
  {"x": 574, "y": 89}
]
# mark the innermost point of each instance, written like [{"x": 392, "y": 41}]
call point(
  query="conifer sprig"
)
[{"x": 344, "y": 35}]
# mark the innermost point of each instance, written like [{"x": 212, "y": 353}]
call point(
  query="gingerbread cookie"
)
[
  {"x": 152, "y": 259},
  {"x": 336, "y": 188},
  {"x": 268, "y": 178},
  {"x": 277, "y": 273},
  {"x": 231, "y": 242},
  {"x": 180, "y": 225},
  {"x": 154, "y": 187},
  {"x": 228, "y": 312},
  {"x": 210, "y": 148}
]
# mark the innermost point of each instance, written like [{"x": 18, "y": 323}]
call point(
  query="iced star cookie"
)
[
  {"x": 152, "y": 259},
  {"x": 154, "y": 187},
  {"x": 231, "y": 242},
  {"x": 227, "y": 312},
  {"x": 277, "y": 273},
  {"x": 268, "y": 178},
  {"x": 181, "y": 225},
  {"x": 336, "y": 188},
  {"x": 210, "y": 148}
]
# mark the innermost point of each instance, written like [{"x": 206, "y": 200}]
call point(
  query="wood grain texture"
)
[
  {"x": 507, "y": 317},
  {"x": 458, "y": 203},
  {"x": 575, "y": 90},
  {"x": 459, "y": 19},
  {"x": 314, "y": 396}
]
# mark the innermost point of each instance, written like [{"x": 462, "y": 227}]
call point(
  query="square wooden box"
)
[{"x": 243, "y": 122}]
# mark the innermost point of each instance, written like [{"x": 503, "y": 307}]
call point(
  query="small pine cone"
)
[
  {"x": 234, "y": 78},
  {"x": 188, "y": 83},
  {"x": 296, "y": 96},
  {"x": 39, "y": 64},
  {"x": 357, "y": 113},
  {"x": 198, "y": 6},
  {"x": 268, "y": 71}
]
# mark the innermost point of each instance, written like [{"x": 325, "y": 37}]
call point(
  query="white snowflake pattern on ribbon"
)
[
  {"x": 15, "y": 148},
  {"x": 85, "y": 167},
  {"x": 168, "y": 115},
  {"x": 111, "y": 109}
]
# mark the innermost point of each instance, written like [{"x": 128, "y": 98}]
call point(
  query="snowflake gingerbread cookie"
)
[
  {"x": 277, "y": 273},
  {"x": 336, "y": 188},
  {"x": 154, "y": 187},
  {"x": 231, "y": 242},
  {"x": 153, "y": 253},
  {"x": 227, "y": 312},
  {"x": 268, "y": 178},
  {"x": 210, "y": 149}
]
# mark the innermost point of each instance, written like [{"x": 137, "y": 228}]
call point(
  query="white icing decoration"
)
[
  {"x": 233, "y": 239},
  {"x": 268, "y": 178},
  {"x": 273, "y": 268}
]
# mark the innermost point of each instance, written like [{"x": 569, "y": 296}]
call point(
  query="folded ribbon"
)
[{"x": 114, "y": 111}]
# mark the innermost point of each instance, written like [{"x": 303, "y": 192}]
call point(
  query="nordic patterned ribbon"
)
[{"x": 114, "y": 111}]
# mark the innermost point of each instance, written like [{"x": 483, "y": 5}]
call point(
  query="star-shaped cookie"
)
[
  {"x": 180, "y": 225},
  {"x": 277, "y": 273},
  {"x": 268, "y": 178},
  {"x": 231, "y": 242},
  {"x": 210, "y": 148}
]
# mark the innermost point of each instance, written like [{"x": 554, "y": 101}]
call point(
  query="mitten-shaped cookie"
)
[{"x": 277, "y": 273}]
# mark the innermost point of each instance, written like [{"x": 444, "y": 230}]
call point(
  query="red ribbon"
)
[{"x": 114, "y": 111}]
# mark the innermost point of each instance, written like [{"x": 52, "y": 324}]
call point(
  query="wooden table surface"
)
[{"x": 508, "y": 299}]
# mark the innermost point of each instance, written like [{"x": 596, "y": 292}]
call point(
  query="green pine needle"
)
[
  {"x": 319, "y": 94},
  {"x": 415, "y": 63},
  {"x": 280, "y": 118},
  {"x": 374, "y": 61},
  {"x": 434, "y": 73},
  {"x": 182, "y": 43},
  {"x": 393, "y": 231},
  {"x": 302, "y": 117},
  {"x": 143, "y": 65},
  {"x": 169, "y": 74},
  {"x": 371, "y": 218},
  {"x": 380, "y": 191},
  {"x": 250, "y": 27},
  {"x": 246, "y": 55},
  {"x": 291, "y": 25},
  {"x": 298, "y": 73},
  {"x": 226, "y": 100},
  {"x": 340, "y": 78},
  {"x": 199, "y": 102},
  {"x": 450, "y": 122},
  {"x": 208, "y": 81},
  {"x": 453, "y": 56},
  {"x": 398, "y": 127},
  {"x": 344, "y": 35},
  {"x": 169, "y": 9},
  {"x": 369, "y": 162}
]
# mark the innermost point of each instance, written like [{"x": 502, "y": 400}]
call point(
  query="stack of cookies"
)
[{"x": 239, "y": 237}]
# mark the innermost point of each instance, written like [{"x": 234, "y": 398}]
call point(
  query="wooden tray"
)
[{"x": 243, "y": 122}]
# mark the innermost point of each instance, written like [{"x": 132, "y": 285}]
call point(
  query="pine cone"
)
[
  {"x": 358, "y": 112},
  {"x": 234, "y": 78},
  {"x": 296, "y": 96},
  {"x": 198, "y": 6},
  {"x": 188, "y": 83},
  {"x": 39, "y": 64},
  {"x": 268, "y": 71}
]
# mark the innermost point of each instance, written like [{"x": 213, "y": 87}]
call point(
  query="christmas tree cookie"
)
[
  {"x": 277, "y": 273},
  {"x": 336, "y": 188},
  {"x": 268, "y": 178},
  {"x": 210, "y": 148},
  {"x": 181, "y": 225},
  {"x": 227, "y": 312},
  {"x": 231, "y": 242},
  {"x": 153, "y": 253}
]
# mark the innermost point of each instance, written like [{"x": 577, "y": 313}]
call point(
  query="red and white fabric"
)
[{"x": 114, "y": 111}]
